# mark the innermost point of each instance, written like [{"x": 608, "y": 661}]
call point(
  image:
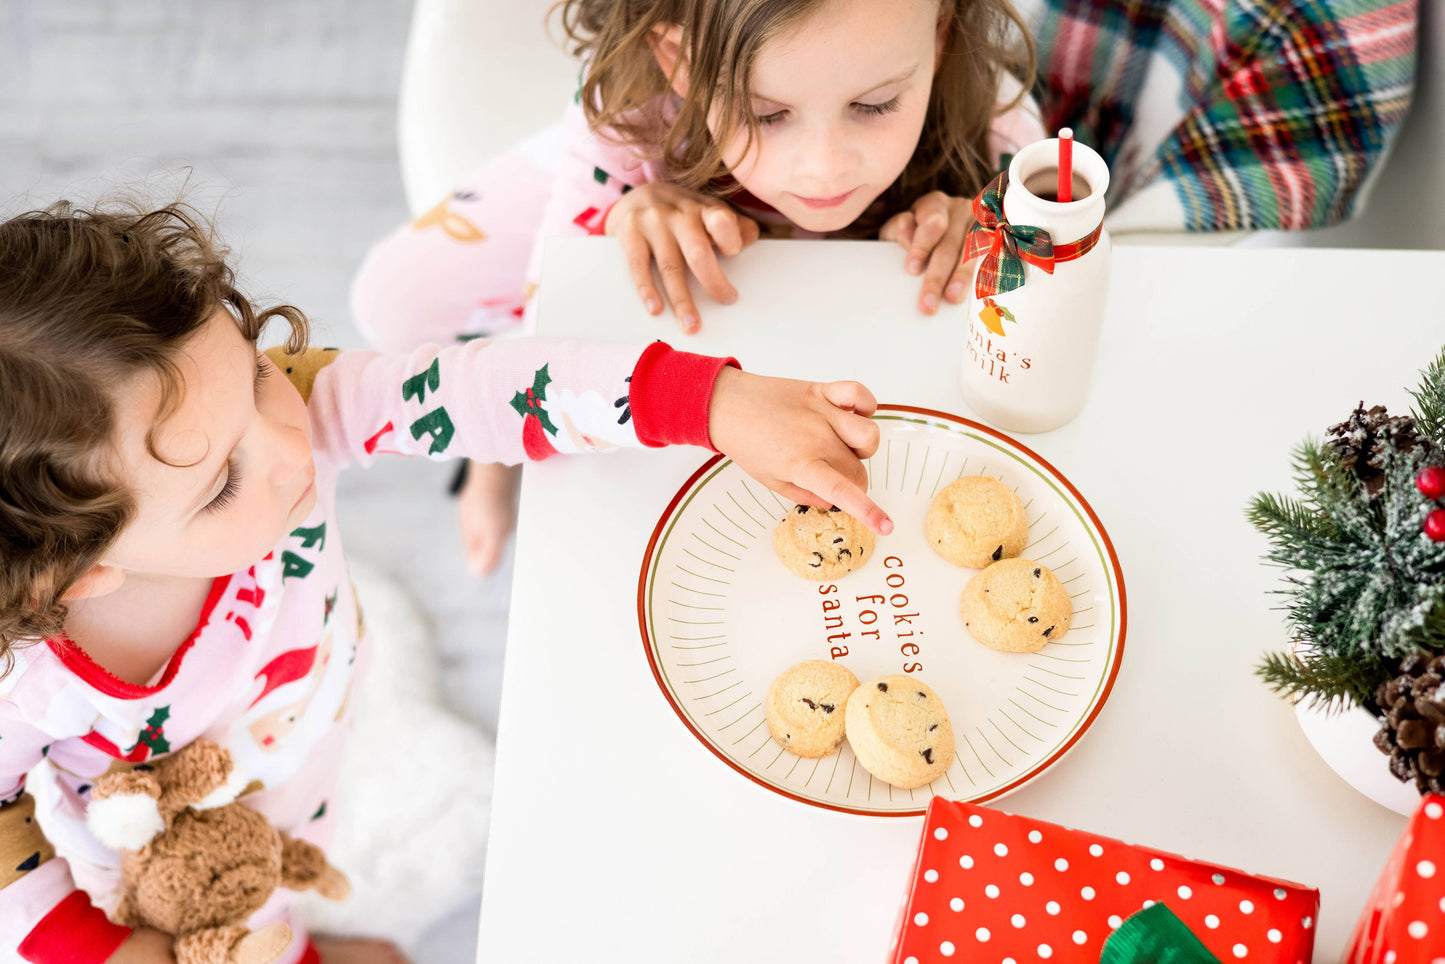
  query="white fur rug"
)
[{"x": 415, "y": 790}]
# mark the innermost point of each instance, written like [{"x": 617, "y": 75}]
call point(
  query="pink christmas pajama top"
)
[{"x": 270, "y": 668}]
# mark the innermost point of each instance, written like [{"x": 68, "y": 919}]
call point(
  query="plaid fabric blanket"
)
[{"x": 1218, "y": 115}]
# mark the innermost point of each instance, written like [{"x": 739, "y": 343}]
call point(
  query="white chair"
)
[{"x": 478, "y": 77}]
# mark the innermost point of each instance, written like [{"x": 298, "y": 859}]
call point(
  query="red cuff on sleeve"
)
[
  {"x": 670, "y": 394},
  {"x": 599, "y": 227},
  {"x": 74, "y": 932}
]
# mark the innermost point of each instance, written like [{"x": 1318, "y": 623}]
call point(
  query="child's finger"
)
[
  {"x": 639, "y": 265},
  {"x": 931, "y": 212},
  {"x": 722, "y": 225},
  {"x": 749, "y": 229},
  {"x": 950, "y": 258},
  {"x": 673, "y": 270},
  {"x": 858, "y": 432},
  {"x": 851, "y": 397},
  {"x": 799, "y": 496},
  {"x": 945, "y": 260},
  {"x": 899, "y": 228},
  {"x": 826, "y": 482},
  {"x": 697, "y": 249},
  {"x": 957, "y": 288}
]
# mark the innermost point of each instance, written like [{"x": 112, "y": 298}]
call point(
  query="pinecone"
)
[
  {"x": 1362, "y": 441},
  {"x": 1412, "y": 731}
]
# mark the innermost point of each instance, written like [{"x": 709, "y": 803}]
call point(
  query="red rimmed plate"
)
[{"x": 721, "y": 618}]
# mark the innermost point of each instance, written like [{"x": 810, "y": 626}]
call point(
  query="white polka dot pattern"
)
[{"x": 997, "y": 887}]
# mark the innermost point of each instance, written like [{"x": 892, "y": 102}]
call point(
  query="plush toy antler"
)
[{"x": 195, "y": 863}]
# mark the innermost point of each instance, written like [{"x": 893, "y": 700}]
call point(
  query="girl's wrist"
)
[{"x": 671, "y": 396}]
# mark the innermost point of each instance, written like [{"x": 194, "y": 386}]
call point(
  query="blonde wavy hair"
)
[{"x": 624, "y": 87}]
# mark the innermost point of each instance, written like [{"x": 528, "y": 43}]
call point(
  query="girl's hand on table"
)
[
  {"x": 801, "y": 439},
  {"x": 679, "y": 229},
  {"x": 932, "y": 233}
]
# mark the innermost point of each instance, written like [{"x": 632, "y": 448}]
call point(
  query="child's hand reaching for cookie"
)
[{"x": 801, "y": 439}]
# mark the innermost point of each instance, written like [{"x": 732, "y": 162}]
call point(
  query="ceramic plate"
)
[{"x": 721, "y": 618}]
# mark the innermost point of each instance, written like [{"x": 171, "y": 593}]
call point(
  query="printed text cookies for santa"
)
[
  {"x": 977, "y": 520},
  {"x": 806, "y": 707},
  {"x": 1016, "y": 606},
  {"x": 822, "y": 544},
  {"x": 899, "y": 731}
]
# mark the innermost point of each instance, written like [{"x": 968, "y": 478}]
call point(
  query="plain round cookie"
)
[
  {"x": 1016, "y": 606},
  {"x": 822, "y": 544},
  {"x": 899, "y": 731},
  {"x": 807, "y": 705},
  {"x": 977, "y": 520}
]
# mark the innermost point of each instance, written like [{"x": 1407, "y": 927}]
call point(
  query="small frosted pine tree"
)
[{"x": 1363, "y": 547}]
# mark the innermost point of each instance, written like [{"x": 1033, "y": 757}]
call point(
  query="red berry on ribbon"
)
[
  {"x": 1435, "y": 525},
  {"x": 1431, "y": 482}
]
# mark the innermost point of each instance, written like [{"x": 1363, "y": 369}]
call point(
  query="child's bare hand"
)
[
  {"x": 932, "y": 233},
  {"x": 144, "y": 946},
  {"x": 679, "y": 229},
  {"x": 358, "y": 950},
  {"x": 801, "y": 439}
]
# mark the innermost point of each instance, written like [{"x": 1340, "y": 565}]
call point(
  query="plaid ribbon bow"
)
[{"x": 1005, "y": 247}]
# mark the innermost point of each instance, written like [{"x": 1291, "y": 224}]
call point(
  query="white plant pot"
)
[{"x": 1345, "y": 741}]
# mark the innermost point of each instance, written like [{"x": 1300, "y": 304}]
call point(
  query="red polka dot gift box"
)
[
  {"x": 994, "y": 888},
  {"x": 1404, "y": 920}
]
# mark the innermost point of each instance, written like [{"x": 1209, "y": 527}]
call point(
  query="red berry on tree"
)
[
  {"x": 1435, "y": 525},
  {"x": 1431, "y": 482}
]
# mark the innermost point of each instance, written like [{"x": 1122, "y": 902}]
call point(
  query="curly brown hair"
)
[
  {"x": 624, "y": 86},
  {"x": 89, "y": 300}
]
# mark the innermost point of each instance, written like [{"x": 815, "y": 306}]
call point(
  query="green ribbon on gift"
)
[{"x": 1155, "y": 935}]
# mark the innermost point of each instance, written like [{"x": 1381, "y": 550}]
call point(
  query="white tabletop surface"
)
[{"x": 616, "y": 836}]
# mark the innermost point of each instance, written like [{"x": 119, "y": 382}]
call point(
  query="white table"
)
[{"x": 616, "y": 836}]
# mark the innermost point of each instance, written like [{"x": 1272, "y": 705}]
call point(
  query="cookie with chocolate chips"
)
[
  {"x": 976, "y": 520},
  {"x": 1016, "y": 606},
  {"x": 822, "y": 544},
  {"x": 806, "y": 706},
  {"x": 899, "y": 731}
]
